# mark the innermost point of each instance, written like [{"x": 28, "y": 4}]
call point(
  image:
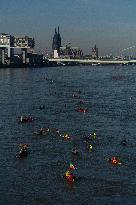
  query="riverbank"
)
[{"x": 71, "y": 62}]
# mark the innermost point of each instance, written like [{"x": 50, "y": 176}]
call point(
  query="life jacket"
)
[
  {"x": 91, "y": 147},
  {"x": 94, "y": 135},
  {"x": 70, "y": 178},
  {"x": 71, "y": 167},
  {"x": 74, "y": 151}
]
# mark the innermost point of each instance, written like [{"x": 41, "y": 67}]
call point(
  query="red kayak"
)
[{"x": 83, "y": 110}]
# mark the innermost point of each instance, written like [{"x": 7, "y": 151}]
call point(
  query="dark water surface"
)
[{"x": 109, "y": 94}]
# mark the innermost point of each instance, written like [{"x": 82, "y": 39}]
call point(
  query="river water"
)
[{"x": 109, "y": 94}]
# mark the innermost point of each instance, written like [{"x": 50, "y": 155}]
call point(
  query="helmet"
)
[{"x": 67, "y": 173}]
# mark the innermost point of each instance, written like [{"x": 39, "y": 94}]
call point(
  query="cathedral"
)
[{"x": 66, "y": 51}]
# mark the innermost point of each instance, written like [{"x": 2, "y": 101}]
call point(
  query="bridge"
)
[{"x": 91, "y": 61}]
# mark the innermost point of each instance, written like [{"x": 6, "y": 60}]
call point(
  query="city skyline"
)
[{"x": 83, "y": 23}]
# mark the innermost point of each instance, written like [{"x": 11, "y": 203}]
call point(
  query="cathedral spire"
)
[
  {"x": 56, "y": 44},
  {"x": 59, "y": 38}
]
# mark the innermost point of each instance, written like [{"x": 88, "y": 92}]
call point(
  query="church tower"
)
[
  {"x": 55, "y": 40},
  {"x": 59, "y": 38},
  {"x": 56, "y": 44}
]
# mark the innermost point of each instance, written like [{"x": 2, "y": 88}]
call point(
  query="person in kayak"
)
[
  {"x": 93, "y": 135},
  {"x": 74, "y": 151},
  {"x": 41, "y": 107},
  {"x": 114, "y": 161},
  {"x": 71, "y": 167},
  {"x": 57, "y": 131},
  {"x": 23, "y": 151},
  {"x": 90, "y": 148},
  {"x": 124, "y": 143},
  {"x": 41, "y": 131},
  {"x": 25, "y": 119},
  {"x": 83, "y": 110},
  {"x": 66, "y": 137},
  {"x": 69, "y": 176}
]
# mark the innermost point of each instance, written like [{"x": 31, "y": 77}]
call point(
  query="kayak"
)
[{"x": 22, "y": 154}]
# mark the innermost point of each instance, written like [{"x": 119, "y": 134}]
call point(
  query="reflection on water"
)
[{"x": 108, "y": 94}]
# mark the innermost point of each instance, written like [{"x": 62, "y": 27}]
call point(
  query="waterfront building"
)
[
  {"x": 71, "y": 52},
  {"x": 25, "y": 43},
  {"x": 9, "y": 43},
  {"x": 6, "y": 45},
  {"x": 34, "y": 59}
]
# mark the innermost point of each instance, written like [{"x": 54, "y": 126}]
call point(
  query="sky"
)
[{"x": 110, "y": 24}]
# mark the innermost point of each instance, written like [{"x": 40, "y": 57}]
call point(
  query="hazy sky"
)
[{"x": 111, "y": 24}]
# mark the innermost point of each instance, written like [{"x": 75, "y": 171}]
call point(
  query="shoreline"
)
[{"x": 71, "y": 62}]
